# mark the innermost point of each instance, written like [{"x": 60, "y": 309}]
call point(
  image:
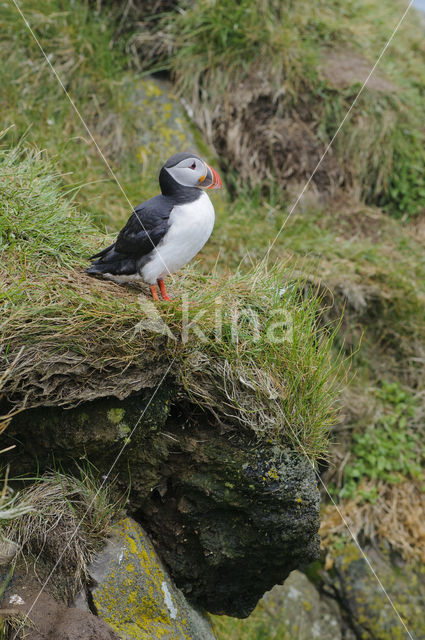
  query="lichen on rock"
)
[
  {"x": 230, "y": 516},
  {"x": 134, "y": 594},
  {"x": 388, "y": 609}
]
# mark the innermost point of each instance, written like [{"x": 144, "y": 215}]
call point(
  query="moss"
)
[
  {"x": 115, "y": 415},
  {"x": 372, "y": 615}
]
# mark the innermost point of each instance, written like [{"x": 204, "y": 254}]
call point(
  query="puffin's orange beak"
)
[{"x": 211, "y": 180}]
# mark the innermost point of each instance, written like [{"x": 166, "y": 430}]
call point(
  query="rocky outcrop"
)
[
  {"x": 391, "y": 608},
  {"x": 128, "y": 595},
  {"x": 230, "y": 517},
  {"x": 307, "y": 614},
  {"x": 131, "y": 590}
]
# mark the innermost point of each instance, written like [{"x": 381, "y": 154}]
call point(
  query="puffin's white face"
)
[{"x": 194, "y": 172}]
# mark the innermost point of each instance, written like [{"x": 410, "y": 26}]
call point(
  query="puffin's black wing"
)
[{"x": 145, "y": 228}]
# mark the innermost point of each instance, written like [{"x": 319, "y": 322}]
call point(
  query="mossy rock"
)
[
  {"x": 135, "y": 595},
  {"x": 372, "y": 612},
  {"x": 307, "y": 614},
  {"x": 157, "y": 126},
  {"x": 231, "y": 517}
]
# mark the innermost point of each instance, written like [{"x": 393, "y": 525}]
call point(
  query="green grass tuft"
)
[
  {"x": 39, "y": 227},
  {"x": 78, "y": 42},
  {"x": 249, "y": 345}
]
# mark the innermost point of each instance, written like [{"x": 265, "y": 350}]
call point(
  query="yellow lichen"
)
[{"x": 132, "y": 598}]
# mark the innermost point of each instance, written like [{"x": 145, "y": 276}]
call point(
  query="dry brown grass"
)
[
  {"x": 63, "y": 510},
  {"x": 398, "y": 515},
  {"x": 265, "y": 141}
]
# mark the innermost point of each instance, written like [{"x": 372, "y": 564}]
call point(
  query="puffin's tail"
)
[
  {"x": 97, "y": 270},
  {"x": 101, "y": 264},
  {"x": 111, "y": 262}
]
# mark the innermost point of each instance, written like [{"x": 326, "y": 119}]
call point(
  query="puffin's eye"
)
[{"x": 193, "y": 166}]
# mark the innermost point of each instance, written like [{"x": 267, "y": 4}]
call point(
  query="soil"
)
[
  {"x": 49, "y": 619},
  {"x": 343, "y": 68},
  {"x": 263, "y": 139}
]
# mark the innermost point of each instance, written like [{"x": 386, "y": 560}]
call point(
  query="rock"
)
[
  {"x": 157, "y": 127},
  {"x": 134, "y": 594},
  {"x": 248, "y": 519},
  {"x": 160, "y": 124},
  {"x": 365, "y": 604},
  {"x": 307, "y": 614},
  {"x": 229, "y": 516}
]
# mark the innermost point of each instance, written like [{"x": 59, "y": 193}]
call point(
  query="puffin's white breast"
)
[{"x": 190, "y": 227}]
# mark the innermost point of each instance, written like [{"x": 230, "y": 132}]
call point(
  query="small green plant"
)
[
  {"x": 406, "y": 183},
  {"x": 390, "y": 450},
  {"x": 260, "y": 625}
]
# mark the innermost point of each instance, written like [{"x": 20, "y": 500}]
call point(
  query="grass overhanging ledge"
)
[{"x": 249, "y": 346}]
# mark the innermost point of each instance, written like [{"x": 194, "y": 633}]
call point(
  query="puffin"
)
[{"x": 165, "y": 232}]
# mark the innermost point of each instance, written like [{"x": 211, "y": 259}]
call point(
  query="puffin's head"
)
[{"x": 188, "y": 170}]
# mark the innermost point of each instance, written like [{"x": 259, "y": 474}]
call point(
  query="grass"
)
[
  {"x": 370, "y": 268},
  {"x": 268, "y": 363},
  {"x": 89, "y": 69},
  {"x": 364, "y": 263},
  {"x": 58, "y": 506},
  {"x": 11, "y": 509},
  {"x": 260, "y": 625},
  {"x": 248, "y": 344},
  {"x": 13, "y": 624},
  {"x": 396, "y": 515},
  {"x": 245, "y": 67},
  {"x": 127, "y": 119}
]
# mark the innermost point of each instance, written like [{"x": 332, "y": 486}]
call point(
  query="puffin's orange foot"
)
[
  {"x": 164, "y": 293},
  {"x": 154, "y": 292}
]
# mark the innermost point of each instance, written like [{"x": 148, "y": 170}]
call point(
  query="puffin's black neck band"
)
[{"x": 172, "y": 189}]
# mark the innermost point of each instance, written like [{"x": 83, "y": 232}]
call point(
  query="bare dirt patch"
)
[
  {"x": 48, "y": 619},
  {"x": 342, "y": 68},
  {"x": 355, "y": 220},
  {"x": 264, "y": 140}
]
